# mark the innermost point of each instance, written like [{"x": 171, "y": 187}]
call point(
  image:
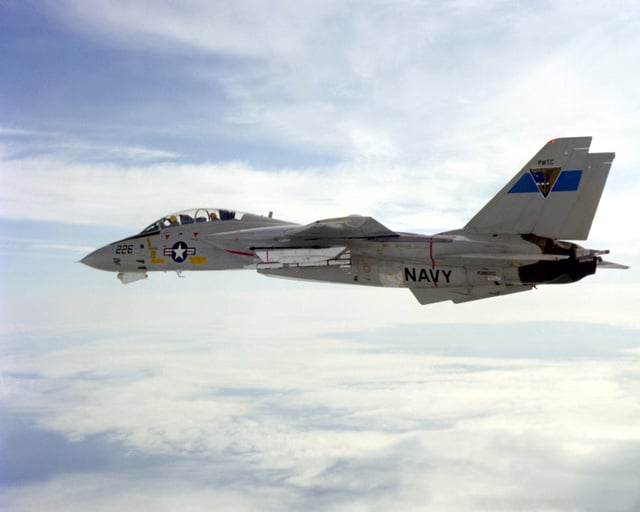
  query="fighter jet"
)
[{"x": 516, "y": 242}]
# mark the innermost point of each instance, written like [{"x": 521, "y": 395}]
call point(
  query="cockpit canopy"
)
[{"x": 194, "y": 215}]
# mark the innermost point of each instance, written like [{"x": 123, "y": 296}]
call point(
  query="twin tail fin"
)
[{"x": 555, "y": 195}]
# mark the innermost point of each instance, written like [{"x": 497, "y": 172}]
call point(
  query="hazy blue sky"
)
[{"x": 230, "y": 391}]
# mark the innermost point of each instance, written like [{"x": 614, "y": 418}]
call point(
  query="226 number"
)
[{"x": 124, "y": 249}]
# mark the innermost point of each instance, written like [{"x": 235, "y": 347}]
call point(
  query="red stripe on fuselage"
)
[
  {"x": 433, "y": 262},
  {"x": 240, "y": 253}
]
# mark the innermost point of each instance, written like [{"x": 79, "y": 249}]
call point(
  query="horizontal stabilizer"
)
[{"x": 610, "y": 264}]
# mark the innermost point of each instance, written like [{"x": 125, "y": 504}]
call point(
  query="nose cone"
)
[{"x": 99, "y": 259}]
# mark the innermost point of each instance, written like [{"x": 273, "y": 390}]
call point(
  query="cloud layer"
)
[{"x": 328, "y": 423}]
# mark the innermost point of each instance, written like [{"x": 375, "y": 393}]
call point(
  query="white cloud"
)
[
  {"x": 376, "y": 425},
  {"x": 427, "y": 197},
  {"x": 377, "y": 89},
  {"x": 20, "y": 143},
  {"x": 344, "y": 81},
  {"x": 385, "y": 80},
  {"x": 133, "y": 196}
]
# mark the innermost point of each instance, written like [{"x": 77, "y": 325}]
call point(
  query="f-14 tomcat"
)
[{"x": 512, "y": 245}]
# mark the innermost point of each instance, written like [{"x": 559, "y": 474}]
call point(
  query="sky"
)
[{"x": 231, "y": 391}]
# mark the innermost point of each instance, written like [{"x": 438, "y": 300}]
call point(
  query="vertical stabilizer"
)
[{"x": 554, "y": 196}]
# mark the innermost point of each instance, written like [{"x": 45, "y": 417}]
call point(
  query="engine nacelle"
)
[{"x": 557, "y": 272}]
